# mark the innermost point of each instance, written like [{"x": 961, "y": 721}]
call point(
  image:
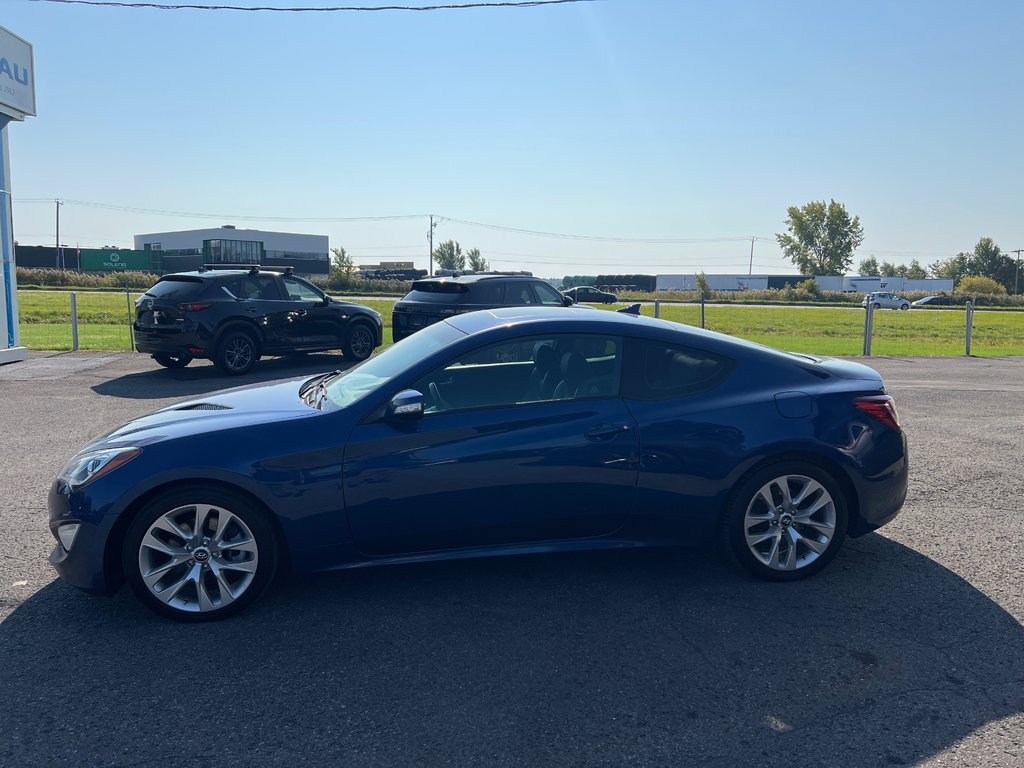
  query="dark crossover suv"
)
[
  {"x": 435, "y": 298},
  {"x": 233, "y": 316},
  {"x": 590, "y": 295}
]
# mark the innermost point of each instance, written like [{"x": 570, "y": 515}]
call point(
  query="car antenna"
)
[{"x": 632, "y": 309}]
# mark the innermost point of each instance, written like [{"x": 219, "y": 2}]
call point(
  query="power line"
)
[
  {"x": 313, "y": 9},
  {"x": 600, "y": 238}
]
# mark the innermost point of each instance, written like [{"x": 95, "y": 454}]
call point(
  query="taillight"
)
[
  {"x": 881, "y": 408},
  {"x": 192, "y": 307}
]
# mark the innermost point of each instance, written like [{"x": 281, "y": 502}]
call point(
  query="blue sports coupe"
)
[{"x": 491, "y": 433}]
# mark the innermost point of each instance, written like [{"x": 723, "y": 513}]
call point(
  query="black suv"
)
[
  {"x": 232, "y": 316},
  {"x": 435, "y": 298}
]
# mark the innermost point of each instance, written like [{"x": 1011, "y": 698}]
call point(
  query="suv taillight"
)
[
  {"x": 193, "y": 307},
  {"x": 881, "y": 408}
]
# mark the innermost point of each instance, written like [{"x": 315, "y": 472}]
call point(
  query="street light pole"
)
[
  {"x": 1016, "y": 274},
  {"x": 430, "y": 238},
  {"x": 58, "y": 254}
]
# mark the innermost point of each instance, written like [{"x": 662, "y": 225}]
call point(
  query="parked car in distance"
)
[
  {"x": 588, "y": 294},
  {"x": 933, "y": 301},
  {"x": 882, "y": 300},
  {"x": 435, "y": 298},
  {"x": 601, "y": 430},
  {"x": 234, "y": 316}
]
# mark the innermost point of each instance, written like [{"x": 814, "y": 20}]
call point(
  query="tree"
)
[
  {"x": 869, "y": 267},
  {"x": 449, "y": 255},
  {"x": 954, "y": 268},
  {"x": 888, "y": 269},
  {"x": 341, "y": 263},
  {"x": 915, "y": 271},
  {"x": 477, "y": 263},
  {"x": 822, "y": 238},
  {"x": 986, "y": 260},
  {"x": 703, "y": 289}
]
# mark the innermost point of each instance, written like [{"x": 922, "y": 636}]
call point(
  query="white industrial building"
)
[
  {"x": 846, "y": 284},
  {"x": 189, "y": 249}
]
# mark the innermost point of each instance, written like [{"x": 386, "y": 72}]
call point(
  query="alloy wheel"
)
[
  {"x": 198, "y": 558},
  {"x": 790, "y": 522}
]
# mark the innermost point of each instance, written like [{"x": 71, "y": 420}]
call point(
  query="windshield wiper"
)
[{"x": 314, "y": 391}]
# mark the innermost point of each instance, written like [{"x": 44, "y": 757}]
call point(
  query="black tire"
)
[
  {"x": 360, "y": 341},
  {"x": 787, "y": 526},
  {"x": 904, "y": 306},
  {"x": 877, "y": 306},
  {"x": 184, "y": 604},
  {"x": 173, "y": 361},
  {"x": 237, "y": 353}
]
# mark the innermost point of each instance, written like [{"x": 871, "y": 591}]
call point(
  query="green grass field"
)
[{"x": 103, "y": 325}]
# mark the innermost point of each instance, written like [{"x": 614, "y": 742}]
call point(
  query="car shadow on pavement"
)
[
  {"x": 638, "y": 657},
  {"x": 203, "y": 376}
]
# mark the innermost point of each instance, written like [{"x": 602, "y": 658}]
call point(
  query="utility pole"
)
[
  {"x": 1016, "y": 274},
  {"x": 58, "y": 253},
  {"x": 751, "y": 270},
  {"x": 430, "y": 238}
]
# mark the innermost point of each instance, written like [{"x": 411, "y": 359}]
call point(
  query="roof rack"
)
[{"x": 254, "y": 269}]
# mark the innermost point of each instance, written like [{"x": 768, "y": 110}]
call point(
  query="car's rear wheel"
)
[
  {"x": 786, "y": 520},
  {"x": 876, "y": 305},
  {"x": 237, "y": 353},
  {"x": 173, "y": 361},
  {"x": 359, "y": 342},
  {"x": 199, "y": 554}
]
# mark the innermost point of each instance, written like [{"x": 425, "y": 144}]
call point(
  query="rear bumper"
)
[
  {"x": 882, "y": 491},
  {"x": 173, "y": 342}
]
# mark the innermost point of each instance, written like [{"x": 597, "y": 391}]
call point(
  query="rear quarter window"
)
[{"x": 660, "y": 371}]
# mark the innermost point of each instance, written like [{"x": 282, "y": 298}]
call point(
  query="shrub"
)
[{"x": 984, "y": 285}]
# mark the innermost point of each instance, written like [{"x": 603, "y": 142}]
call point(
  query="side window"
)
[
  {"x": 660, "y": 371},
  {"x": 299, "y": 291},
  {"x": 254, "y": 287},
  {"x": 488, "y": 292},
  {"x": 548, "y": 295},
  {"x": 526, "y": 371},
  {"x": 519, "y": 293}
]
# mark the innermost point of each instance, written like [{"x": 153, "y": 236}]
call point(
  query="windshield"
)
[{"x": 378, "y": 371}]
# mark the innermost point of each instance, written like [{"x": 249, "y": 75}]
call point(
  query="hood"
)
[{"x": 227, "y": 409}]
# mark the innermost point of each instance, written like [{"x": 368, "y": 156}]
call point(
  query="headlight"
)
[{"x": 86, "y": 467}]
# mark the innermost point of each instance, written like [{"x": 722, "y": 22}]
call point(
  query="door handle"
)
[{"x": 606, "y": 431}]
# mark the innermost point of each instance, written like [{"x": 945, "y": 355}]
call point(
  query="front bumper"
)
[{"x": 85, "y": 566}]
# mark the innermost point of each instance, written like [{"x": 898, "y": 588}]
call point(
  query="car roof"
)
[
  {"x": 474, "y": 278},
  {"x": 590, "y": 319},
  {"x": 207, "y": 274}
]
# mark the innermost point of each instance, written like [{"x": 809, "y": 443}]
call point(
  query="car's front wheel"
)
[
  {"x": 785, "y": 521},
  {"x": 173, "y": 361},
  {"x": 876, "y": 305},
  {"x": 237, "y": 353},
  {"x": 904, "y": 306},
  {"x": 359, "y": 342},
  {"x": 199, "y": 554}
]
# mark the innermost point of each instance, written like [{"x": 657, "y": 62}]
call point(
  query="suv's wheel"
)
[
  {"x": 199, "y": 554},
  {"x": 359, "y": 342},
  {"x": 237, "y": 353},
  {"x": 785, "y": 521},
  {"x": 173, "y": 361}
]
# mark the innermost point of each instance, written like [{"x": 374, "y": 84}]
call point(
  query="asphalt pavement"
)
[{"x": 907, "y": 650}]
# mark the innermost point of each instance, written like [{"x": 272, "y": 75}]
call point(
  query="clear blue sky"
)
[{"x": 620, "y": 118}]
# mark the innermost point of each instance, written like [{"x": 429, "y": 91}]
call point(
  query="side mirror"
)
[
  {"x": 327, "y": 300},
  {"x": 568, "y": 301},
  {"x": 406, "y": 405}
]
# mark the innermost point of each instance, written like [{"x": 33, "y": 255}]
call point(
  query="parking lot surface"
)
[{"x": 907, "y": 650}]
